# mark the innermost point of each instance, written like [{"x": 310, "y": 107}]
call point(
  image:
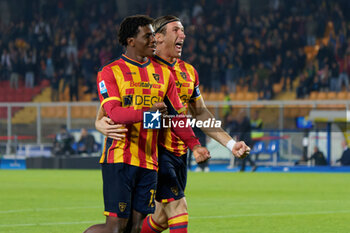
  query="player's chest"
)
[
  {"x": 184, "y": 84},
  {"x": 142, "y": 87}
]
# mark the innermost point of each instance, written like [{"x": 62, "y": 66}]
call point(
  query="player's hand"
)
[
  {"x": 159, "y": 106},
  {"x": 240, "y": 150},
  {"x": 108, "y": 128},
  {"x": 201, "y": 154}
]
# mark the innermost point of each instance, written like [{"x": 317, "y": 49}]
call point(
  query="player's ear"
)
[
  {"x": 131, "y": 41},
  {"x": 159, "y": 37}
]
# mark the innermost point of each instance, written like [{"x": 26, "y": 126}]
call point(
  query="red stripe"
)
[
  {"x": 154, "y": 150},
  {"x": 143, "y": 74},
  {"x": 125, "y": 70},
  {"x": 142, "y": 146},
  {"x": 183, "y": 69},
  {"x": 160, "y": 93},
  {"x": 129, "y": 91},
  {"x": 151, "y": 219},
  {"x": 110, "y": 152},
  {"x": 178, "y": 215},
  {"x": 158, "y": 69},
  {"x": 112, "y": 214},
  {"x": 179, "y": 224},
  {"x": 146, "y": 91},
  {"x": 18, "y": 137},
  {"x": 174, "y": 143},
  {"x": 126, "y": 149},
  {"x": 190, "y": 91}
]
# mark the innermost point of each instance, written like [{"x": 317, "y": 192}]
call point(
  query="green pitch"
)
[{"x": 68, "y": 201}]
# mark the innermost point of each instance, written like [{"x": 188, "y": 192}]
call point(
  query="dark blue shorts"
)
[
  {"x": 127, "y": 187},
  {"x": 172, "y": 176}
]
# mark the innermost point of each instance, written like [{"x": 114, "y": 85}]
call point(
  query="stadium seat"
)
[
  {"x": 313, "y": 95},
  {"x": 321, "y": 96},
  {"x": 273, "y": 150},
  {"x": 343, "y": 95},
  {"x": 332, "y": 95},
  {"x": 258, "y": 148}
]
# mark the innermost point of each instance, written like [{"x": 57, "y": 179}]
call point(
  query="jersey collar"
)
[
  {"x": 165, "y": 61},
  {"x": 136, "y": 63}
]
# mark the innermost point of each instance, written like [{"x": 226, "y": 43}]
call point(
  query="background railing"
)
[{"x": 37, "y": 123}]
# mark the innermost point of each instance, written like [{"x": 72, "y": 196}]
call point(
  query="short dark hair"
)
[
  {"x": 130, "y": 27},
  {"x": 160, "y": 23}
]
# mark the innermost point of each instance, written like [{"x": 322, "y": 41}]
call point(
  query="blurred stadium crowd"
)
[{"x": 300, "y": 46}]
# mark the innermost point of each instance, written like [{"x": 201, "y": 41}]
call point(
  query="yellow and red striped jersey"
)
[
  {"x": 137, "y": 86},
  {"x": 187, "y": 85}
]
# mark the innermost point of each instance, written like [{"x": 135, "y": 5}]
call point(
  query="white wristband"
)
[{"x": 230, "y": 144}]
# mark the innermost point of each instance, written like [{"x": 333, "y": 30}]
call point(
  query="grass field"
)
[{"x": 67, "y": 201}]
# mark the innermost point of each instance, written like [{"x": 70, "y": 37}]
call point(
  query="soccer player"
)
[
  {"x": 127, "y": 87},
  {"x": 171, "y": 206}
]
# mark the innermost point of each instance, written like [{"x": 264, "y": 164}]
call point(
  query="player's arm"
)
[
  {"x": 201, "y": 112},
  {"x": 186, "y": 134},
  {"x": 107, "y": 127},
  {"x": 111, "y": 102}
]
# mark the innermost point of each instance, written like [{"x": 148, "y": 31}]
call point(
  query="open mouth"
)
[{"x": 179, "y": 45}]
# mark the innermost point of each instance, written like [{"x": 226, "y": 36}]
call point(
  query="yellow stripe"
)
[
  {"x": 119, "y": 152},
  {"x": 104, "y": 151},
  {"x": 180, "y": 219},
  {"x": 109, "y": 99},
  {"x": 197, "y": 98},
  {"x": 134, "y": 144},
  {"x": 154, "y": 225},
  {"x": 190, "y": 70}
]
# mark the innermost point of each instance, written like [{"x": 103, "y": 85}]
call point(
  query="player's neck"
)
[
  {"x": 132, "y": 55},
  {"x": 166, "y": 57}
]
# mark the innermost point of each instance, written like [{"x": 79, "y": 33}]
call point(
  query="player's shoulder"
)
[
  {"x": 110, "y": 64},
  {"x": 186, "y": 64},
  {"x": 155, "y": 62}
]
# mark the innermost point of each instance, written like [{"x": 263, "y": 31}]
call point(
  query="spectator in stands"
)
[
  {"x": 86, "y": 143},
  {"x": 302, "y": 87},
  {"x": 30, "y": 63},
  {"x": 318, "y": 157},
  {"x": 343, "y": 75},
  {"x": 15, "y": 69},
  {"x": 345, "y": 158},
  {"x": 5, "y": 64},
  {"x": 55, "y": 83},
  {"x": 334, "y": 77},
  {"x": 63, "y": 142}
]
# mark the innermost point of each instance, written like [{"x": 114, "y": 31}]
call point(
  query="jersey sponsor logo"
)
[
  {"x": 122, "y": 206},
  {"x": 140, "y": 100},
  {"x": 175, "y": 190},
  {"x": 127, "y": 100},
  {"x": 156, "y": 77},
  {"x": 145, "y": 84},
  {"x": 183, "y": 75},
  {"x": 103, "y": 88},
  {"x": 151, "y": 120},
  {"x": 179, "y": 84}
]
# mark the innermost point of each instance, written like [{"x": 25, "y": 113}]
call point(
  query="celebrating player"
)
[
  {"x": 127, "y": 87},
  {"x": 171, "y": 206}
]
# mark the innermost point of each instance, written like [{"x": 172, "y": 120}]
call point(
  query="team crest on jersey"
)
[
  {"x": 122, "y": 206},
  {"x": 183, "y": 75},
  {"x": 156, "y": 77},
  {"x": 175, "y": 190}
]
